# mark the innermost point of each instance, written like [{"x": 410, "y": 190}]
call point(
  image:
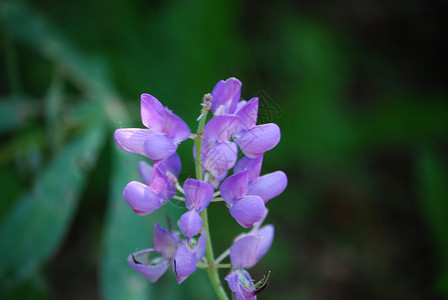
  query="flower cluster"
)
[{"x": 246, "y": 193}]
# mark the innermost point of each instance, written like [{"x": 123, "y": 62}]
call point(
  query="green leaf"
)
[
  {"x": 433, "y": 179},
  {"x": 14, "y": 111},
  {"x": 35, "y": 226},
  {"x": 124, "y": 232}
]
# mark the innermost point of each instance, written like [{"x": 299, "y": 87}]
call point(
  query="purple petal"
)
[
  {"x": 234, "y": 187},
  {"x": 141, "y": 198},
  {"x": 190, "y": 223},
  {"x": 184, "y": 263},
  {"x": 248, "y": 210},
  {"x": 199, "y": 251},
  {"x": 239, "y": 106},
  {"x": 161, "y": 184},
  {"x": 152, "y": 269},
  {"x": 217, "y": 180},
  {"x": 267, "y": 234},
  {"x": 173, "y": 164},
  {"x": 221, "y": 128},
  {"x": 259, "y": 139},
  {"x": 159, "y": 147},
  {"x": 253, "y": 166},
  {"x": 164, "y": 242},
  {"x": 152, "y": 111},
  {"x": 241, "y": 285},
  {"x": 269, "y": 186},
  {"x": 248, "y": 113},
  {"x": 220, "y": 158},
  {"x": 132, "y": 139},
  {"x": 175, "y": 128},
  {"x": 226, "y": 94},
  {"x": 243, "y": 252},
  {"x": 145, "y": 171},
  {"x": 197, "y": 194}
]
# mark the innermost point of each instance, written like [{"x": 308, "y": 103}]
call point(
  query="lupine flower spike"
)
[{"x": 232, "y": 128}]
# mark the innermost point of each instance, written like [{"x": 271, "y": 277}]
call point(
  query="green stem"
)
[{"x": 212, "y": 269}]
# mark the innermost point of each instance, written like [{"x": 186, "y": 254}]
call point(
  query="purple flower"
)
[
  {"x": 245, "y": 252},
  {"x": 146, "y": 198},
  {"x": 226, "y": 96},
  {"x": 165, "y": 131},
  {"x": 198, "y": 195},
  {"x": 245, "y": 209},
  {"x": 267, "y": 186},
  {"x": 182, "y": 255},
  {"x": 165, "y": 244}
]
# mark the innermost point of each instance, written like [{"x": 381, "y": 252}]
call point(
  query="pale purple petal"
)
[
  {"x": 217, "y": 180},
  {"x": 161, "y": 184},
  {"x": 220, "y": 158},
  {"x": 175, "y": 128},
  {"x": 145, "y": 171},
  {"x": 248, "y": 210},
  {"x": 190, "y": 223},
  {"x": 259, "y": 139},
  {"x": 197, "y": 194},
  {"x": 141, "y": 198},
  {"x": 132, "y": 139},
  {"x": 253, "y": 166},
  {"x": 151, "y": 111},
  {"x": 234, "y": 187},
  {"x": 269, "y": 186},
  {"x": 227, "y": 94},
  {"x": 152, "y": 269},
  {"x": 241, "y": 285},
  {"x": 221, "y": 128},
  {"x": 239, "y": 106},
  {"x": 243, "y": 252},
  {"x": 164, "y": 242},
  {"x": 159, "y": 147},
  {"x": 248, "y": 113},
  {"x": 173, "y": 164},
  {"x": 199, "y": 251},
  {"x": 184, "y": 263},
  {"x": 267, "y": 234}
]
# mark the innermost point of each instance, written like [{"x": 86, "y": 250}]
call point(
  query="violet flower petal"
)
[
  {"x": 190, "y": 223},
  {"x": 253, "y": 166},
  {"x": 248, "y": 113},
  {"x": 267, "y": 234},
  {"x": 259, "y": 139},
  {"x": 161, "y": 184},
  {"x": 132, "y": 139},
  {"x": 184, "y": 263},
  {"x": 175, "y": 128},
  {"x": 269, "y": 186},
  {"x": 173, "y": 164},
  {"x": 221, "y": 128},
  {"x": 145, "y": 171},
  {"x": 141, "y": 198},
  {"x": 243, "y": 252},
  {"x": 151, "y": 269},
  {"x": 248, "y": 210},
  {"x": 152, "y": 111},
  {"x": 241, "y": 285},
  {"x": 220, "y": 158},
  {"x": 226, "y": 94},
  {"x": 164, "y": 242},
  {"x": 158, "y": 147},
  {"x": 198, "y": 194},
  {"x": 234, "y": 187},
  {"x": 199, "y": 251}
]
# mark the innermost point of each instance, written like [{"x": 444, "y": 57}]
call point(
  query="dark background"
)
[{"x": 358, "y": 89}]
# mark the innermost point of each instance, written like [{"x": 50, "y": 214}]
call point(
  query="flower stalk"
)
[{"x": 212, "y": 269}]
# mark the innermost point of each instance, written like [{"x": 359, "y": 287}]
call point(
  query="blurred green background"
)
[{"x": 358, "y": 89}]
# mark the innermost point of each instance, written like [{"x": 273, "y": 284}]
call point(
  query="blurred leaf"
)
[
  {"x": 14, "y": 111},
  {"x": 123, "y": 235},
  {"x": 53, "y": 103},
  {"x": 36, "y": 225},
  {"x": 432, "y": 174}
]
